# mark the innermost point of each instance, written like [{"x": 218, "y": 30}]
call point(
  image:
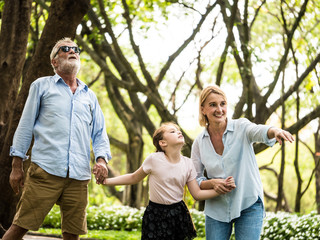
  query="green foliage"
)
[
  {"x": 272, "y": 158},
  {"x": 1, "y": 6},
  {"x": 199, "y": 221},
  {"x": 279, "y": 225},
  {"x": 291, "y": 226},
  {"x": 114, "y": 218},
  {"x": 53, "y": 219}
]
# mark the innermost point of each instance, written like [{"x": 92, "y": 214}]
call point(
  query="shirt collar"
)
[
  {"x": 81, "y": 84},
  {"x": 230, "y": 127}
]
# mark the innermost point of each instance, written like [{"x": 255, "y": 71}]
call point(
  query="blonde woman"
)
[{"x": 225, "y": 148}]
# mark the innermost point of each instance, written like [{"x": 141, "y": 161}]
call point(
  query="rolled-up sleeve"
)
[{"x": 196, "y": 159}]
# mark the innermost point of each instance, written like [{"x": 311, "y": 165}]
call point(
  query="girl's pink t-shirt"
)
[{"x": 167, "y": 180}]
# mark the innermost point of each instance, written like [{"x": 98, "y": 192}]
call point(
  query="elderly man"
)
[{"x": 62, "y": 115}]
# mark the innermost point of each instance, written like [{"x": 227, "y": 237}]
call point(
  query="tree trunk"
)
[
  {"x": 296, "y": 164},
  {"x": 283, "y": 162},
  {"x": 13, "y": 46},
  {"x": 133, "y": 194},
  {"x": 317, "y": 169},
  {"x": 13, "y": 43},
  {"x": 64, "y": 17}
]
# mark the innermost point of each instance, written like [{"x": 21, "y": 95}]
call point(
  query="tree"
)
[
  {"x": 133, "y": 115},
  {"x": 252, "y": 45},
  {"x": 13, "y": 42},
  {"x": 124, "y": 73},
  {"x": 55, "y": 29}
]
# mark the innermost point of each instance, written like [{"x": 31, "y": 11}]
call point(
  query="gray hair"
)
[{"x": 56, "y": 47}]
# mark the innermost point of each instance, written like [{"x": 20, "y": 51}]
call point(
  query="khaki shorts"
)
[{"x": 42, "y": 190}]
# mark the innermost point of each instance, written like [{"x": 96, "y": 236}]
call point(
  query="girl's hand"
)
[
  {"x": 220, "y": 185},
  {"x": 230, "y": 183},
  {"x": 105, "y": 181}
]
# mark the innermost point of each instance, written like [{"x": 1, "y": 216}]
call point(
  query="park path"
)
[{"x": 37, "y": 237}]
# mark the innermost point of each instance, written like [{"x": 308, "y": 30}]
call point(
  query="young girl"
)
[{"x": 167, "y": 216}]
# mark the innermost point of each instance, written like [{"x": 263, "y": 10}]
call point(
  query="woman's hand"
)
[
  {"x": 223, "y": 186},
  {"x": 280, "y": 135}
]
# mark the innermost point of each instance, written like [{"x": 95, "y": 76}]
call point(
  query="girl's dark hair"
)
[{"x": 158, "y": 134}]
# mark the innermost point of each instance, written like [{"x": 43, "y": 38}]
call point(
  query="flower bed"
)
[{"x": 279, "y": 225}]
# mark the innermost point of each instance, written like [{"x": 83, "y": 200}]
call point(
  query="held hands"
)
[
  {"x": 230, "y": 183},
  {"x": 223, "y": 186},
  {"x": 100, "y": 171},
  {"x": 105, "y": 181}
]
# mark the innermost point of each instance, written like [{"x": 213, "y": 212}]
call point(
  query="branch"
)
[
  {"x": 118, "y": 144},
  {"x": 257, "y": 12},
  {"x": 136, "y": 49},
  {"x": 293, "y": 129},
  {"x": 296, "y": 85},
  {"x": 104, "y": 67},
  {"x": 116, "y": 56},
  {"x": 283, "y": 60},
  {"x": 43, "y": 4},
  {"x": 184, "y": 45},
  {"x": 317, "y": 163},
  {"x": 95, "y": 79}
]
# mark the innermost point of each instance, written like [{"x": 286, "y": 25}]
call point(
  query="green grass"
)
[{"x": 101, "y": 234}]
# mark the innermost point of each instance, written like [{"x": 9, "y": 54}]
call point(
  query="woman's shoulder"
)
[
  {"x": 203, "y": 133},
  {"x": 240, "y": 122}
]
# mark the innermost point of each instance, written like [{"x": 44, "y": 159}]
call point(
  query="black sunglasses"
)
[{"x": 67, "y": 49}]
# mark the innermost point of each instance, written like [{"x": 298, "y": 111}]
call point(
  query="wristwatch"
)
[{"x": 102, "y": 158}]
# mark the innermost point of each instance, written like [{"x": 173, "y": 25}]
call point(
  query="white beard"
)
[{"x": 69, "y": 67}]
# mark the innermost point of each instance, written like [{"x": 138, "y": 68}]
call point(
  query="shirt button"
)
[{"x": 65, "y": 169}]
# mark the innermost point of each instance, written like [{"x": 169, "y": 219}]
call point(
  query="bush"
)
[
  {"x": 283, "y": 225},
  {"x": 279, "y": 225},
  {"x": 114, "y": 218}
]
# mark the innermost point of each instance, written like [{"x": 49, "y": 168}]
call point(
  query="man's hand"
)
[
  {"x": 17, "y": 175},
  {"x": 100, "y": 170}
]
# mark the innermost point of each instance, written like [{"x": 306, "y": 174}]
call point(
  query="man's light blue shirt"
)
[
  {"x": 238, "y": 160},
  {"x": 63, "y": 125}
]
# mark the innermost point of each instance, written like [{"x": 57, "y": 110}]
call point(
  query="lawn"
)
[{"x": 101, "y": 234}]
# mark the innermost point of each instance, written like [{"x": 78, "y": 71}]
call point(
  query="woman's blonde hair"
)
[
  {"x": 203, "y": 121},
  {"x": 158, "y": 134}
]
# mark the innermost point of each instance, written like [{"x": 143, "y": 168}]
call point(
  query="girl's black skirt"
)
[{"x": 167, "y": 222}]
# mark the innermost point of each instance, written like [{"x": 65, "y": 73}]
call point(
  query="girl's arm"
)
[
  {"x": 220, "y": 185},
  {"x": 199, "y": 194},
  {"x": 127, "y": 179}
]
